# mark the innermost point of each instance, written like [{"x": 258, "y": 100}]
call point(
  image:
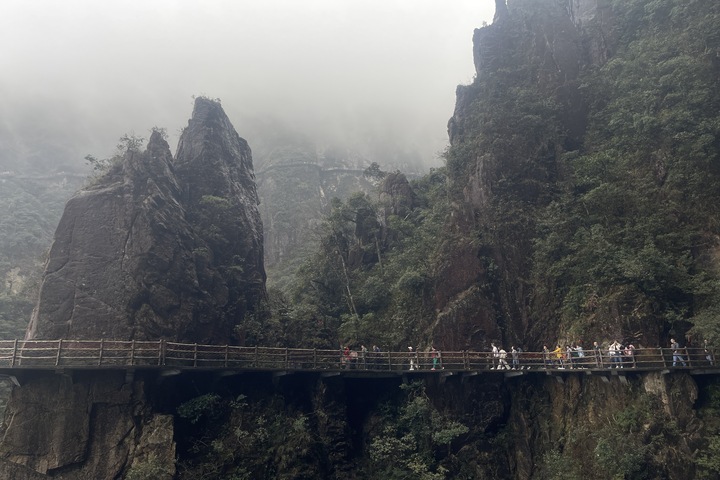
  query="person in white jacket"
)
[{"x": 502, "y": 360}]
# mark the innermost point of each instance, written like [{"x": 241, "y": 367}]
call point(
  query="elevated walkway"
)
[{"x": 170, "y": 358}]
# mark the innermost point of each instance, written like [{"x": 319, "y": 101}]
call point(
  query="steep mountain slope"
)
[{"x": 584, "y": 166}]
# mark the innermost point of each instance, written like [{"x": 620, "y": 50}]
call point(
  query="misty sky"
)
[{"x": 87, "y": 71}]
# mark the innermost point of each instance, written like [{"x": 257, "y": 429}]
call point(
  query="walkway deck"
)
[{"x": 54, "y": 355}]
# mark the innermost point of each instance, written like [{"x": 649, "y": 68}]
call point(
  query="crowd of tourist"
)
[{"x": 613, "y": 354}]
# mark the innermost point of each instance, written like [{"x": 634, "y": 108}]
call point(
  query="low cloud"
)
[{"x": 80, "y": 73}]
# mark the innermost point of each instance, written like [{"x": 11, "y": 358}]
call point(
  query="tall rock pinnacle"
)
[{"x": 160, "y": 248}]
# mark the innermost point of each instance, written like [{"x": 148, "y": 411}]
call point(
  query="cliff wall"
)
[{"x": 157, "y": 248}]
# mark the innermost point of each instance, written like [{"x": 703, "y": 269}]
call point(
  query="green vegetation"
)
[
  {"x": 633, "y": 229},
  {"x": 199, "y": 407},
  {"x": 584, "y": 235},
  {"x": 367, "y": 282},
  {"x": 152, "y": 469},
  {"x": 633, "y": 443},
  {"x": 268, "y": 437},
  {"x": 412, "y": 439},
  {"x": 234, "y": 439}
]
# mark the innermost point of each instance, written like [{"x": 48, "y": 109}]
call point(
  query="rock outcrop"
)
[
  {"x": 86, "y": 428},
  {"x": 157, "y": 248},
  {"x": 396, "y": 195},
  {"x": 505, "y": 160},
  {"x": 160, "y": 247}
]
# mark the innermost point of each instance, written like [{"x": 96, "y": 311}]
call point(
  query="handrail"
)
[{"x": 104, "y": 353}]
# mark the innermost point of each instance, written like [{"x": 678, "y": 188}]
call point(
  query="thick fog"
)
[{"x": 75, "y": 75}]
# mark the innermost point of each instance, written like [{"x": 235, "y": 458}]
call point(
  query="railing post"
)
[
  {"x": 100, "y": 355},
  {"x": 14, "y": 357},
  {"x": 466, "y": 360},
  {"x": 132, "y": 353},
  {"x": 389, "y": 360},
  {"x": 227, "y": 354},
  {"x": 687, "y": 355},
  {"x": 161, "y": 348},
  {"x": 195, "y": 355},
  {"x": 57, "y": 356},
  {"x": 662, "y": 355},
  {"x": 256, "y": 360},
  {"x": 315, "y": 365},
  {"x": 287, "y": 358}
]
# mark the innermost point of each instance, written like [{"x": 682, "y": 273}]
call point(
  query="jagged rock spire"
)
[{"x": 160, "y": 247}]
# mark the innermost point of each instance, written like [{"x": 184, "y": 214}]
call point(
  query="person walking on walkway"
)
[
  {"x": 569, "y": 353},
  {"x": 676, "y": 353},
  {"x": 615, "y": 353},
  {"x": 502, "y": 362},
  {"x": 495, "y": 356},
  {"x": 436, "y": 359},
  {"x": 345, "y": 357},
  {"x": 709, "y": 354},
  {"x": 413, "y": 358},
  {"x": 558, "y": 356},
  {"x": 630, "y": 355},
  {"x": 580, "y": 353},
  {"x": 547, "y": 361}
]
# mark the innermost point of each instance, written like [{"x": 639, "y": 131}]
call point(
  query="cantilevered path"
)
[{"x": 70, "y": 355}]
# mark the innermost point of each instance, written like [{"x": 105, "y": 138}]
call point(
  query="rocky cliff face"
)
[
  {"x": 83, "y": 428},
  {"x": 160, "y": 247},
  {"x": 508, "y": 133}
]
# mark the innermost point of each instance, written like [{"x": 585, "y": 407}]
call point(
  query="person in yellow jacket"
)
[{"x": 559, "y": 356}]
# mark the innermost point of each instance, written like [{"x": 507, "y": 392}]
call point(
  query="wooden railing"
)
[{"x": 97, "y": 354}]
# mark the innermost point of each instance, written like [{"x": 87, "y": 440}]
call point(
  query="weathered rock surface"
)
[
  {"x": 539, "y": 48},
  {"x": 397, "y": 195},
  {"x": 160, "y": 248},
  {"x": 157, "y": 248},
  {"x": 88, "y": 428}
]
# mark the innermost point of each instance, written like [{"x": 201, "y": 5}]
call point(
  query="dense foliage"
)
[
  {"x": 612, "y": 231},
  {"x": 234, "y": 438},
  {"x": 631, "y": 238},
  {"x": 369, "y": 279}
]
